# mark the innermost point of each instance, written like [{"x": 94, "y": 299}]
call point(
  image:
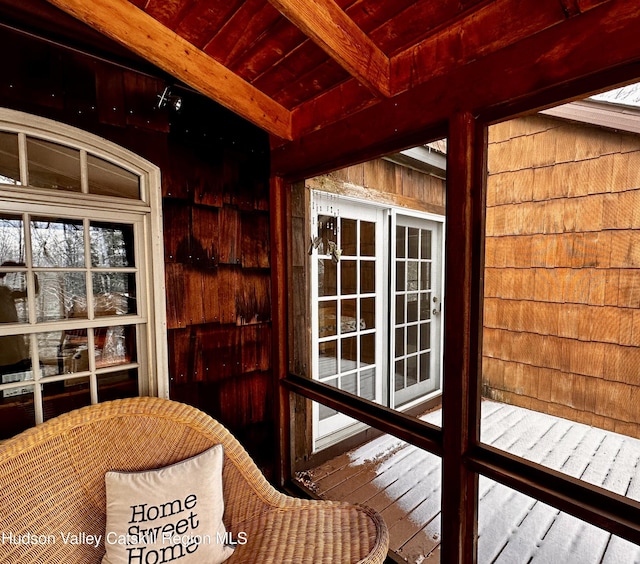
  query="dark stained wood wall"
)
[{"x": 215, "y": 174}]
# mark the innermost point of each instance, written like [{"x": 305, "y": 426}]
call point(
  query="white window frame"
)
[{"x": 145, "y": 214}]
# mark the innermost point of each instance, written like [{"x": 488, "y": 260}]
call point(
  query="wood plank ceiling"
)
[
  {"x": 294, "y": 66},
  {"x": 338, "y": 80}
]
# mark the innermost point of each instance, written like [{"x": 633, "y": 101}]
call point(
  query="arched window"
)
[{"x": 81, "y": 273}]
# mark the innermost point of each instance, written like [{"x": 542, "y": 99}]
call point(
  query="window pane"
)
[
  {"x": 65, "y": 395},
  {"x": 11, "y": 239},
  {"x": 64, "y": 352},
  {"x": 114, "y": 293},
  {"x": 107, "y": 179},
  {"x": 62, "y": 295},
  {"x": 13, "y": 297},
  {"x": 115, "y": 345},
  {"x": 16, "y": 411},
  {"x": 53, "y": 166},
  {"x": 57, "y": 243},
  {"x": 9, "y": 163},
  {"x": 118, "y": 385},
  {"x": 111, "y": 245}
]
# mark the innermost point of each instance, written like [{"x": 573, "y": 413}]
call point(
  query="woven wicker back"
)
[{"x": 52, "y": 476}]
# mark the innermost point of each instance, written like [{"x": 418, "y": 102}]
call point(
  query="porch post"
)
[
  {"x": 279, "y": 288},
  {"x": 463, "y": 319}
]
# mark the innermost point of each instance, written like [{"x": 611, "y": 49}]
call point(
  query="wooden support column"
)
[
  {"x": 278, "y": 233},
  {"x": 462, "y": 333}
]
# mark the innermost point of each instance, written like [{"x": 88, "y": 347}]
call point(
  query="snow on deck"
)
[{"x": 402, "y": 483}]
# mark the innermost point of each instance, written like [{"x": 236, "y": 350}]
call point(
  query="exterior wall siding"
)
[{"x": 562, "y": 271}]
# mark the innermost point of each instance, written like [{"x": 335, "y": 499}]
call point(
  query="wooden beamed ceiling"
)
[{"x": 310, "y": 70}]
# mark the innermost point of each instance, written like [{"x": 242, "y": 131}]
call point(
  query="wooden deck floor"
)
[{"x": 403, "y": 484}]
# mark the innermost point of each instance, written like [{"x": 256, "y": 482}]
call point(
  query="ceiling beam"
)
[
  {"x": 559, "y": 63},
  {"x": 125, "y": 23},
  {"x": 338, "y": 35}
]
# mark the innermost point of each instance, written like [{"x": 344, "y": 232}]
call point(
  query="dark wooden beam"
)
[
  {"x": 279, "y": 220},
  {"x": 528, "y": 71},
  {"x": 461, "y": 397},
  {"x": 123, "y": 22},
  {"x": 336, "y": 33},
  {"x": 405, "y": 427}
]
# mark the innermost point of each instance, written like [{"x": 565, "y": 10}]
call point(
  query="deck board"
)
[{"x": 402, "y": 483}]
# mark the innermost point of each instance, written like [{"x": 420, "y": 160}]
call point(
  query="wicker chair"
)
[{"x": 52, "y": 482}]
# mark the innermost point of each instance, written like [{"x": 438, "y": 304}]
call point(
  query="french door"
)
[
  {"x": 347, "y": 270},
  {"x": 416, "y": 309},
  {"x": 376, "y": 307}
]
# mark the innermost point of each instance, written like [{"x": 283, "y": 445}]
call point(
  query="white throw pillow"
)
[{"x": 171, "y": 514}]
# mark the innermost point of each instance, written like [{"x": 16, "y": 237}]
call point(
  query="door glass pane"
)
[
  {"x": 349, "y": 237},
  {"x": 111, "y": 245},
  {"x": 367, "y": 239},
  {"x": 11, "y": 240},
  {"x": 348, "y": 353},
  {"x": 367, "y": 313},
  {"x": 349, "y": 321},
  {"x": 114, "y": 293},
  {"x": 62, "y": 295},
  {"x": 367, "y": 277},
  {"x": 53, "y": 166},
  {"x": 327, "y": 233},
  {"x": 57, "y": 243},
  {"x": 349, "y": 276},
  {"x": 327, "y": 277},
  {"x": 9, "y": 162},
  {"x": 425, "y": 244},
  {"x": 327, "y": 319},
  {"x": 367, "y": 349},
  {"x": 401, "y": 242},
  {"x": 107, "y": 179},
  {"x": 328, "y": 359},
  {"x": 413, "y": 236}
]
